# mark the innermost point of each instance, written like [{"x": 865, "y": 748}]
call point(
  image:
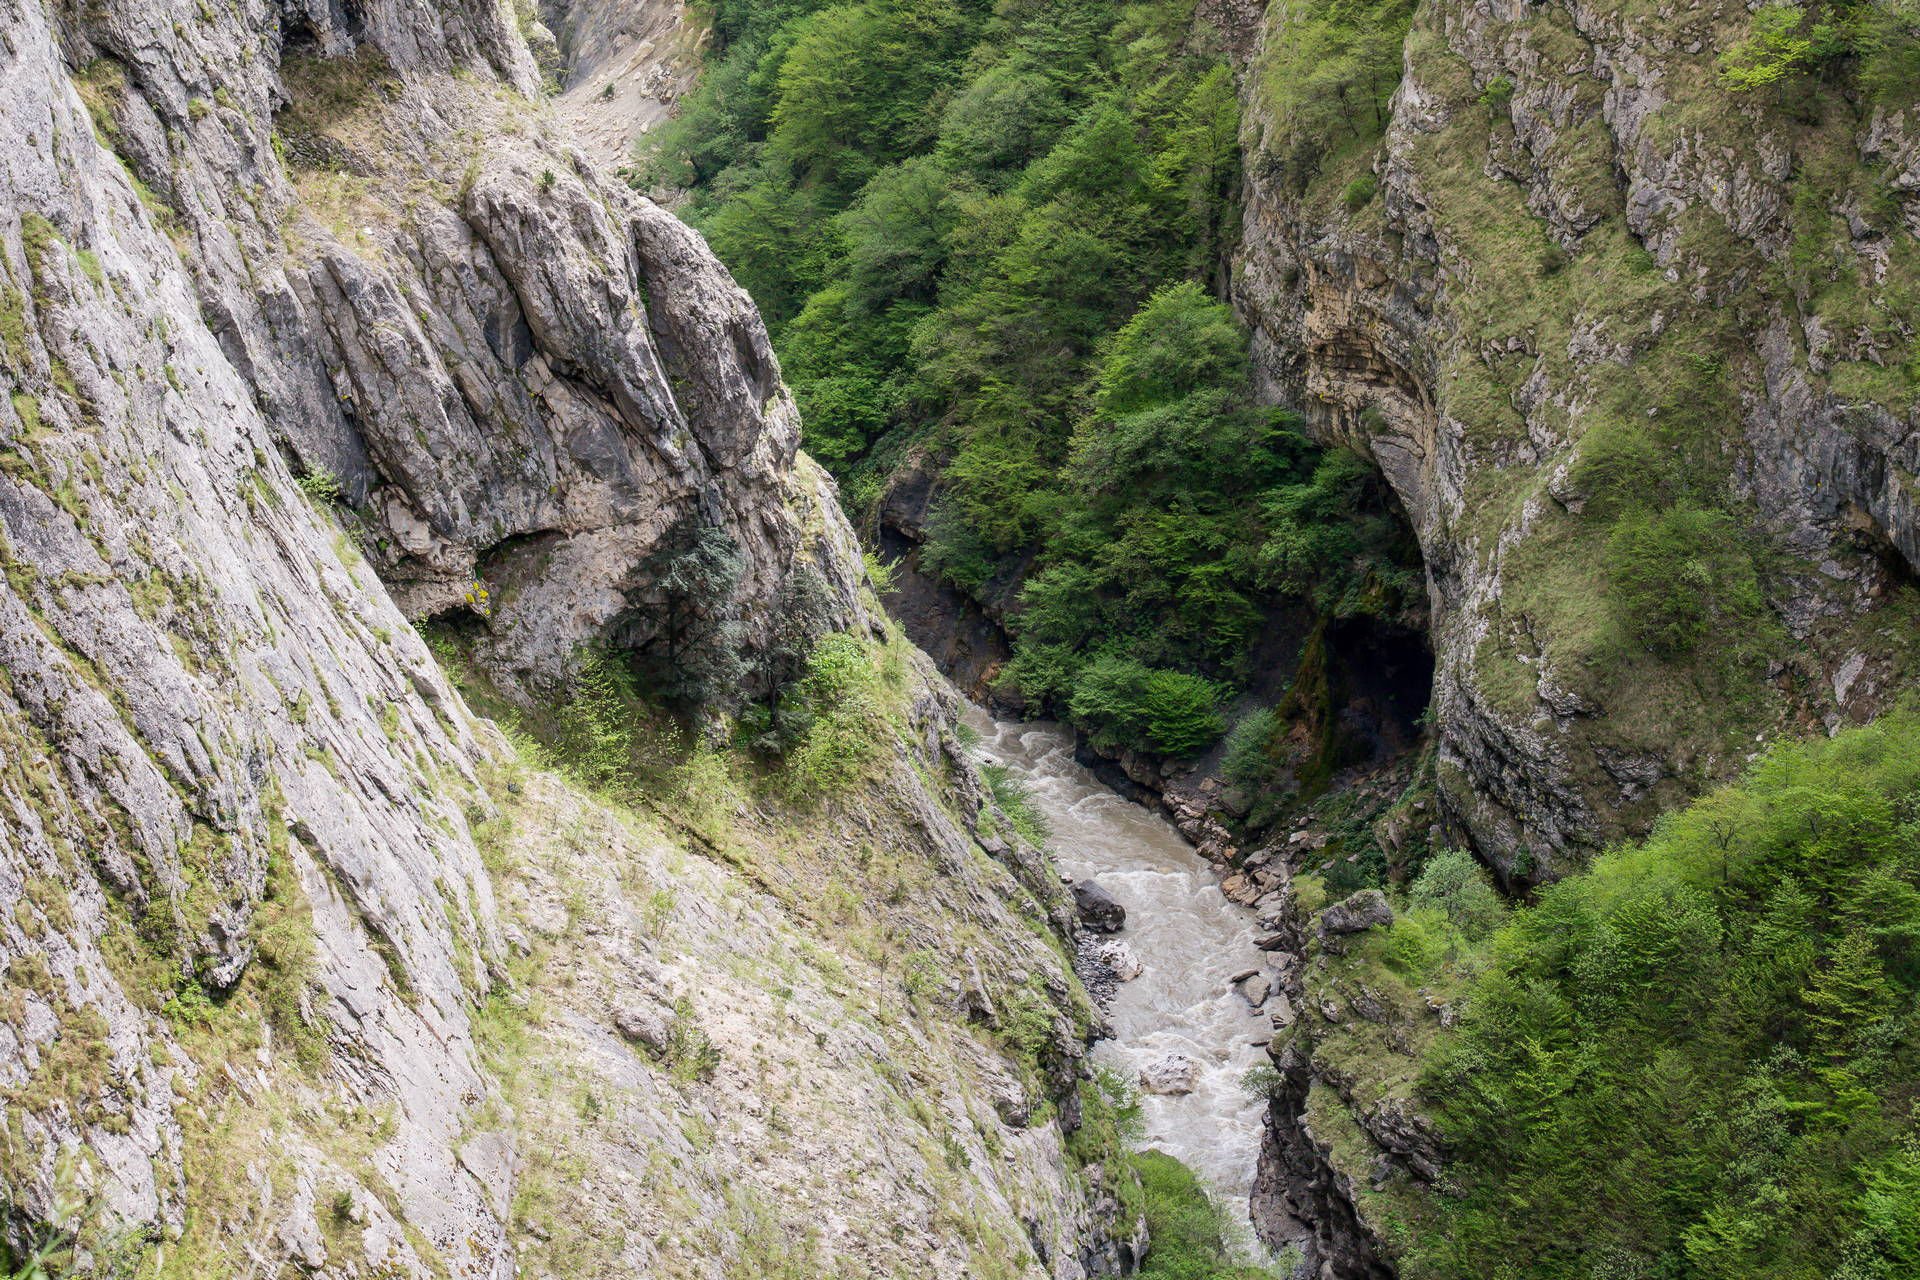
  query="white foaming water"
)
[{"x": 1191, "y": 939}]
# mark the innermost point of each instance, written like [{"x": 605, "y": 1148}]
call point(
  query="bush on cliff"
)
[{"x": 1674, "y": 576}]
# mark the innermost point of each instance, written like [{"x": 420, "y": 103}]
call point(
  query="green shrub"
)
[
  {"x": 838, "y": 700},
  {"x": 1783, "y": 42},
  {"x": 1010, "y": 792},
  {"x": 321, "y": 485},
  {"x": 1456, "y": 888},
  {"x": 1188, "y": 1237},
  {"x": 1674, "y": 575},
  {"x": 690, "y": 1052},
  {"x": 1360, "y": 192},
  {"x": 692, "y": 653},
  {"x": 1619, "y": 467},
  {"x": 1247, "y": 758},
  {"x": 1120, "y": 701}
]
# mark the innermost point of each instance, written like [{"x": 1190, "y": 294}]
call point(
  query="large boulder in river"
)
[
  {"x": 1097, "y": 908},
  {"x": 1170, "y": 1073},
  {"x": 1120, "y": 958},
  {"x": 1254, "y": 987}
]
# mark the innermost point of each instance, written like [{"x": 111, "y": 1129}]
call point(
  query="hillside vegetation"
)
[
  {"x": 986, "y": 241},
  {"x": 1696, "y": 1059}
]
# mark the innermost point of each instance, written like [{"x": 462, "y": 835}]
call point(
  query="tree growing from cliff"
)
[{"x": 693, "y": 656}]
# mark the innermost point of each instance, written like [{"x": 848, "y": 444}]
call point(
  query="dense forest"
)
[
  {"x": 1696, "y": 1059},
  {"x": 988, "y": 242}
]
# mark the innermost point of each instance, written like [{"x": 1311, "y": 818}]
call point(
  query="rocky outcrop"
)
[
  {"x": 1331, "y": 1140},
  {"x": 1576, "y": 241},
  {"x": 516, "y": 373},
  {"x": 1301, "y": 1198},
  {"x": 313, "y": 326}
]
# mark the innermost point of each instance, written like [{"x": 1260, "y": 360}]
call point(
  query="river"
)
[{"x": 1190, "y": 938}]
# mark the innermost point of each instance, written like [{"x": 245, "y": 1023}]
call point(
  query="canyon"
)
[{"x": 470, "y": 803}]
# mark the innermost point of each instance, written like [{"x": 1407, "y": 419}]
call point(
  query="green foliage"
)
[
  {"x": 1674, "y": 576},
  {"x": 1783, "y": 42},
  {"x": 1120, "y": 701},
  {"x": 1360, "y": 192},
  {"x": 979, "y": 238},
  {"x": 1876, "y": 41},
  {"x": 1886, "y": 1244},
  {"x": 1498, "y": 93},
  {"x": 1457, "y": 889},
  {"x": 1187, "y": 1232},
  {"x": 1327, "y": 74},
  {"x": 1696, "y": 1059},
  {"x": 854, "y": 86},
  {"x": 321, "y": 485},
  {"x": 1247, "y": 758},
  {"x": 597, "y": 724},
  {"x": 1110, "y": 1118},
  {"x": 690, "y": 1052},
  {"x": 839, "y": 703},
  {"x": 1025, "y": 1023},
  {"x": 1009, "y": 791},
  {"x": 693, "y": 656}
]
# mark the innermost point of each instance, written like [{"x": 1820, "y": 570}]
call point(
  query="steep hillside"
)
[
  {"x": 1620, "y": 298},
  {"x": 1633, "y": 341},
  {"x": 313, "y": 328},
  {"x": 1695, "y": 1058}
]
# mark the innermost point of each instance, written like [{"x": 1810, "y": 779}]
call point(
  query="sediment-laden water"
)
[{"x": 1190, "y": 938}]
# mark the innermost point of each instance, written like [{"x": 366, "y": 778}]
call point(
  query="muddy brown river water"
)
[{"x": 1189, "y": 937}]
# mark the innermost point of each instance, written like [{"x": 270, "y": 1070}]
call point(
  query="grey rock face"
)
[
  {"x": 218, "y": 730},
  {"x": 244, "y": 914},
  {"x": 520, "y": 372}
]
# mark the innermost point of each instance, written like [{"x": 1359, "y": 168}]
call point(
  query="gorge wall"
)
[
  {"x": 313, "y": 326},
  {"x": 1574, "y": 272},
  {"x": 1568, "y": 288}
]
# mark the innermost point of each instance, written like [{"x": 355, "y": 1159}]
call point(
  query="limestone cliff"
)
[
  {"x": 1568, "y": 284},
  {"x": 313, "y": 327},
  {"x": 1574, "y": 271}
]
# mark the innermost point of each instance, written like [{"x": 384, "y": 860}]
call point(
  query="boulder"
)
[
  {"x": 1170, "y": 1073},
  {"x": 1254, "y": 988},
  {"x": 1364, "y": 910},
  {"x": 1098, "y": 909},
  {"x": 1120, "y": 958},
  {"x": 642, "y": 1025}
]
